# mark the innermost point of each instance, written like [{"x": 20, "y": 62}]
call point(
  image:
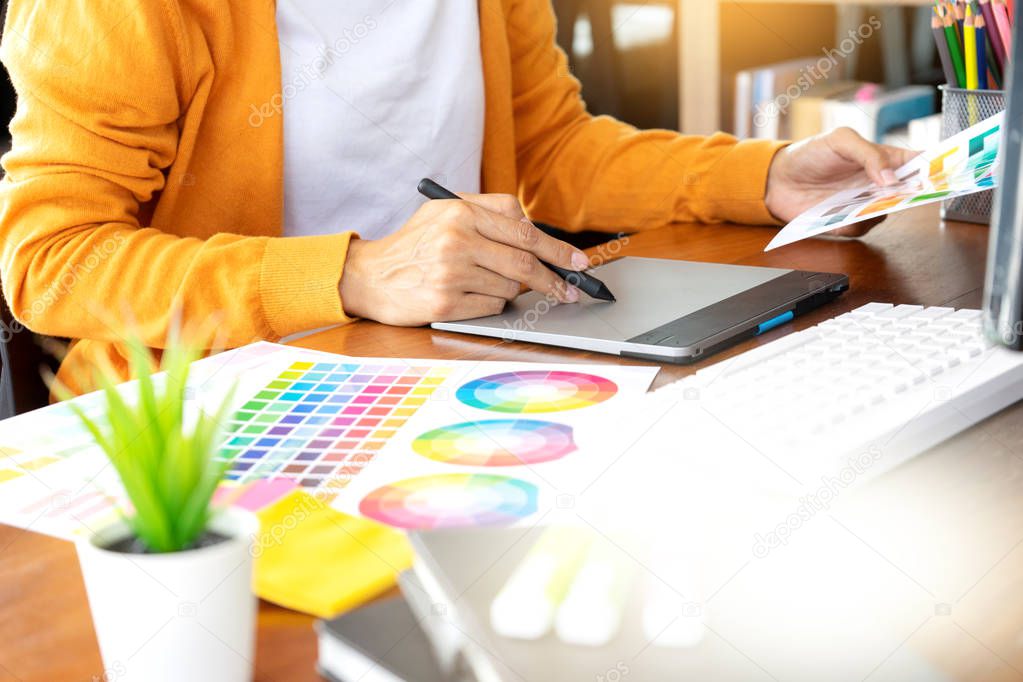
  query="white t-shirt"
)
[{"x": 377, "y": 94}]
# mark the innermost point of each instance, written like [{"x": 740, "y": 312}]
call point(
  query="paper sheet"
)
[
  {"x": 963, "y": 164},
  {"x": 500, "y": 443},
  {"x": 490, "y": 438}
]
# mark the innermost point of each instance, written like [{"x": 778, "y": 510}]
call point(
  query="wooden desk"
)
[{"x": 45, "y": 628}]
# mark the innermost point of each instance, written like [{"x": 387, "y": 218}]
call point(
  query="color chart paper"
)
[
  {"x": 55, "y": 480},
  {"x": 963, "y": 164},
  {"x": 500, "y": 443},
  {"x": 320, "y": 422},
  {"x": 462, "y": 442}
]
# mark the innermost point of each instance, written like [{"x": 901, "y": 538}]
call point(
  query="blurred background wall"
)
[{"x": 625, "y": 53}]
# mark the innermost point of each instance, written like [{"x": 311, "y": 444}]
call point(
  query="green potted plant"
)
[{"x": 169, "y": 585}]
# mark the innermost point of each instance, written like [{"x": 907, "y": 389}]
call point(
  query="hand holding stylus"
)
[
  {"x": 455, "y": 260},
  {"x": 580, "y": 279}
]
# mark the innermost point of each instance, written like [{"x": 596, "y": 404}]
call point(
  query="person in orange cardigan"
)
[{"x": 258, "y": 161}]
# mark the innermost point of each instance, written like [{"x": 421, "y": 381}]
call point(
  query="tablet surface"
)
[{"x": 666, "y": 309}]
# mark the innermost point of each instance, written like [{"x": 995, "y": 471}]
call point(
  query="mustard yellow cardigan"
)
[{"x": 146, "y": 168}]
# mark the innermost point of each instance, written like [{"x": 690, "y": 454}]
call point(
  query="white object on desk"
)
[
  {"x": 843, "y": 401},
  {"x": 525, "y": 607},
  {"x": 186, "y": 615},
  {"x": 591, "y": 614}
]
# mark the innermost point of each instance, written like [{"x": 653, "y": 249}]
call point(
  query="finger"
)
[
  {"x": 473, "y": 305},
  {"x": 523, "y": 235},
  {"x": 504, "y": 204},
  {"x": 858, "y": 229},
  {"x": 487, "y": 282},
  {"x": 522, "y": 266},
  {"x": 898, "y": 156},
  {"x": 848, "y": 144}
]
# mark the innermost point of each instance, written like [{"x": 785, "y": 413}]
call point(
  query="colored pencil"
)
[
  {"x": 992, "y": 64},
  {"x": 1001, "y": 13},
  {"x": 981, "y": 38},
  {"x": 946, "y": 58},
  {"x": 993, "y": 35},
  {"x": 955, "y": 50},
  {"x": 970, "y": 50}
]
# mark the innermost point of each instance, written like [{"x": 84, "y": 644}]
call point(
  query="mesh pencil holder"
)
[{"x": 960, "y": 109}]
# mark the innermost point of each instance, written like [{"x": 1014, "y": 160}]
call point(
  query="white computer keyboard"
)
[{"x": 881, "y": 381}]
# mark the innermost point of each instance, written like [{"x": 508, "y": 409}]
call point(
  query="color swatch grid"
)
[
  {"x": 89, "y": 509},
  {"x": 64, "y": 496},
  {"x": 14, "y": 463},
  {"x": 322, "y": 422}
]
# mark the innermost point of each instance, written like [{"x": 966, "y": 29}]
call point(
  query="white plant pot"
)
[{"x": 177, "y": 616}]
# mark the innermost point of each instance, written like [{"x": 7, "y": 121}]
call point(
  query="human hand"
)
[
  {"x": 455, "y": 260},
  {"x": 804, "y": 174}
]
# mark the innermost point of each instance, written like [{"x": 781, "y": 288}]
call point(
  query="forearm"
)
[
  {"x": 66, "y": 277},
  {"x": 582, "y": 172},
  {"x": 603, "y": 175}
]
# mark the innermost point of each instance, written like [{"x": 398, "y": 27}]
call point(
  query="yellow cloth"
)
[{"x": 314, "y": 559}]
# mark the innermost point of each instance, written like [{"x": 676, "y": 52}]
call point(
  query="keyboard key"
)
[
  {"x": 966, "y": 315},
  {"x": 870, "y": 309},
  {"x": 900, "y": 311},
  {"x": 964, "y": 354},
  {"x": 933, "y": 313}
]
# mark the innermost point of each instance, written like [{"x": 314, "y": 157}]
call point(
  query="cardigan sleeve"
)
[
  {"x": 102, "y": 89},
  {"x": 578, "y": 171}
]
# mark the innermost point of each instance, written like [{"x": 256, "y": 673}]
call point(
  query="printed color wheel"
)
[
  {"x": 451, "y": 500},
  {"x": 532, "y": 391},
  {"x": 496, "y": 443}
]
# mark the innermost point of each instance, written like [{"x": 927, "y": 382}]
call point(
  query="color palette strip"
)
[
  {"x": 73, "y": 512},
  {"x": 496, "y": 443},
  {"x": 322, "y": 422},
  {"x": 450, "y": 501},
  {"x": 536, "y": 391},
  {"x": 15, "y": 463}
]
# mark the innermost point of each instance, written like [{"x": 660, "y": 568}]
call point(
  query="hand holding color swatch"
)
[{"x": 963, "y": 164}]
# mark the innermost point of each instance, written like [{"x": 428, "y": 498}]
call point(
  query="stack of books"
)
[{"x": 794, "y": 100}]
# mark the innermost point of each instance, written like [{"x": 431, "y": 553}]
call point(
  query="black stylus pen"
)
[{"x": 588, "y": 284}]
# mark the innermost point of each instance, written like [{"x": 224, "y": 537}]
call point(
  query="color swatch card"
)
[
  {"x": 963, "y": 164},
  {"x": 500, "y": 443},
  {"x": 55, "y": 480}
]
